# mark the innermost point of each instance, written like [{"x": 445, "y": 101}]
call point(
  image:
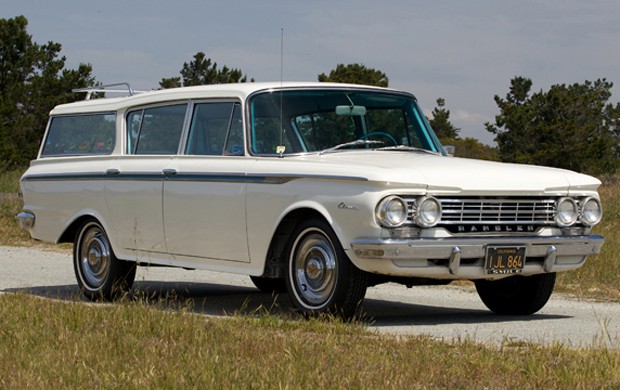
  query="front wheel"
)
[
  {"x": 320, "y": 277},
  {"x": 100, "y": 275},
  {"x": 516, "y": 295}
]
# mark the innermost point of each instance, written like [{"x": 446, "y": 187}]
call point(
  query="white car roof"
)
[{"x": 225, "y": 91}]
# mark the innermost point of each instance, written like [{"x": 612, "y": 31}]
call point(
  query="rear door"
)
[{"x": 134, "y": 182}]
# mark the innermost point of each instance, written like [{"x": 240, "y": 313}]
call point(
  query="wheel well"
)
[
  {"x": 69, "y": 234},
  {"x": 275, "y": 264}
]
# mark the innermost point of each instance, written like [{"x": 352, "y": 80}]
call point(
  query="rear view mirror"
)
[{"x": 350, "y": 110}]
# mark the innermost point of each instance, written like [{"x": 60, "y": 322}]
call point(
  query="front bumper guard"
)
[{"x": 454, "y": 250}]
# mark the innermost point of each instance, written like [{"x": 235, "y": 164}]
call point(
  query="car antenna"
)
[{"x": 281, "y": 147}]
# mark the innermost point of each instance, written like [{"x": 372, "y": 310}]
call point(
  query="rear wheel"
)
[
  {"x": 320, "y": 277},
  {"x": 100, "y": 275},
  {"x": 516, "y": 295}
]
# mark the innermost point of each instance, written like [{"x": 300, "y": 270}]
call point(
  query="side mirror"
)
[{"x": 450, "y": 150}]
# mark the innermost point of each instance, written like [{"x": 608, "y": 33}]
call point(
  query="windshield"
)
[{"x": 289, "y": 122}]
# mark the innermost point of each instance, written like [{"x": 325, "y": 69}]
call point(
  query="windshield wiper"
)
[
  {"x": 352, "y": 143},
  {"x": 408, "y": 148}
]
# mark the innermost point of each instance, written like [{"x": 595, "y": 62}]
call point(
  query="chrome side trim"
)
[{"x": 113, "y": 174}]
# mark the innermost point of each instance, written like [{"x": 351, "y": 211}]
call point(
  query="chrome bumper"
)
[
  {"x": 25, "y": 219},
  {"x": 420, "y": 256}
]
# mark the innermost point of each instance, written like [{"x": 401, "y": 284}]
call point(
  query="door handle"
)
[
  {"x": 112, "y": 172},
  {"x": 169, "y": 172}
]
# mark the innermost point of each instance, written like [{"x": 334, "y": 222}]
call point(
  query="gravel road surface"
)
[{"x": 446, "y": 313}]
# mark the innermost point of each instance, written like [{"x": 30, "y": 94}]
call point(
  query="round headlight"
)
[
  {"x": 591, "y": 211},
  {"x": 567, "y": 212},
  {"x": 427, "y": 211},
  {"x": 392, "y": 211}
]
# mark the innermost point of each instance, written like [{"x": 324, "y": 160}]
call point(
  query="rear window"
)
[{"x": 80, "y": 135}]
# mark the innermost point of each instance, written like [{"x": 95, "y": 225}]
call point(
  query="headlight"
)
[
  {"x": 591, "y": 211},
  {"x": 392, "y": 212},
  {"x": 427, "y": 211},
  {"x": 567, "y": 212}
]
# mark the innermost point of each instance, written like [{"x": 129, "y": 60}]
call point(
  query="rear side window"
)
[
  {"x": 155, "y": 130},
  {"x": 216, "y": 130},
  {"x": 78, "y": 135}
]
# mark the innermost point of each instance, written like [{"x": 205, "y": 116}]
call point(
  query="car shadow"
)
[
  {"x": 226, "y": 300},
  {"x": 382, "y": 313}
]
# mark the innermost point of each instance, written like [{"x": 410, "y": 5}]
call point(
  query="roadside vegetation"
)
[{"x": 51, "y": 344}]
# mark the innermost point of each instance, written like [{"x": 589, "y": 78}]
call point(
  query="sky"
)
[{"x": 463, "y": 51}]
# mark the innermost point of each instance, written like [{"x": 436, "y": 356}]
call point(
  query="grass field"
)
[
  {"x": 138, "y": 344},
  {"x": 49, "y": 344}
]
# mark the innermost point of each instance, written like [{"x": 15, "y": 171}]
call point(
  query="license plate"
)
[{"x": 504, "y": 260}]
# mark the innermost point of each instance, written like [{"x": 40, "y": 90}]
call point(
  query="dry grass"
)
[
  {"x": 48, "y": 344},
  {"x": 9, "y": 180},
  {"x": 10, "y": 233}
]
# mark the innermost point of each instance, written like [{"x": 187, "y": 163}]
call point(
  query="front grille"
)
[
  {"x": 466, "y": 211},
  {"x": 495, "y": 211}
]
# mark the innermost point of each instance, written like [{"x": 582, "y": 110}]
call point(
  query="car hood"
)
[{"x": 440, "y": 174}]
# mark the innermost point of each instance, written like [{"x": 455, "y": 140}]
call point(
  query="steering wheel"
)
[{"x": 381, "y": 133}]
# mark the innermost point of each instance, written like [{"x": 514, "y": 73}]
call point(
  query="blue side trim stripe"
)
[{"x": 194, "y": 177}]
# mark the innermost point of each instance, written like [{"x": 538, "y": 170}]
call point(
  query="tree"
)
[
  {"x": 355, "y": 74},
  {"x": 202, "y": 71},
  {"x": 569, "y": 126},
  {"x": 469, "y": 147},
  {"x": 440, "y": 122},
  {"x": 171, "y": 82},
  {"x": 448, "y": 134},
  {"x": 32, "y": 81}
]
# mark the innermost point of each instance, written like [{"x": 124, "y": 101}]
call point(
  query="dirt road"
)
[{"x": 441, "y": 312}]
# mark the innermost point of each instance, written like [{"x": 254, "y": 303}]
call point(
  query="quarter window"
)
[
  {"x": 155, "y": 130},
  {"x": 80, "y": 135}
]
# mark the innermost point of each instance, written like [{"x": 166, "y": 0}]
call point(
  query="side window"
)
[
  {"x": 80, "y": 135},
  {"x": 215, "y": 130},
  {"x": 234, "y": 143},
  {"x": 134, "y": 121},
  {"x": 155, "y": 130}
]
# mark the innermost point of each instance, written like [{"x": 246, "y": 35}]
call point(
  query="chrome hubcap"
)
[
  {"x": 94, "y": 257},
  {"x": 315, "y": 269}
]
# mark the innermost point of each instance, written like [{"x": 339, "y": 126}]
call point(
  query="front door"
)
[{"x": 204, "y": 189}]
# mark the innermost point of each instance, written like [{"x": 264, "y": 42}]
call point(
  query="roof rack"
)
[{"x": 106, "y": 88}]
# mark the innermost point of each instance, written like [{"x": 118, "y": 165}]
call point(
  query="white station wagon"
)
[{"x": 321, "y": 190}]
